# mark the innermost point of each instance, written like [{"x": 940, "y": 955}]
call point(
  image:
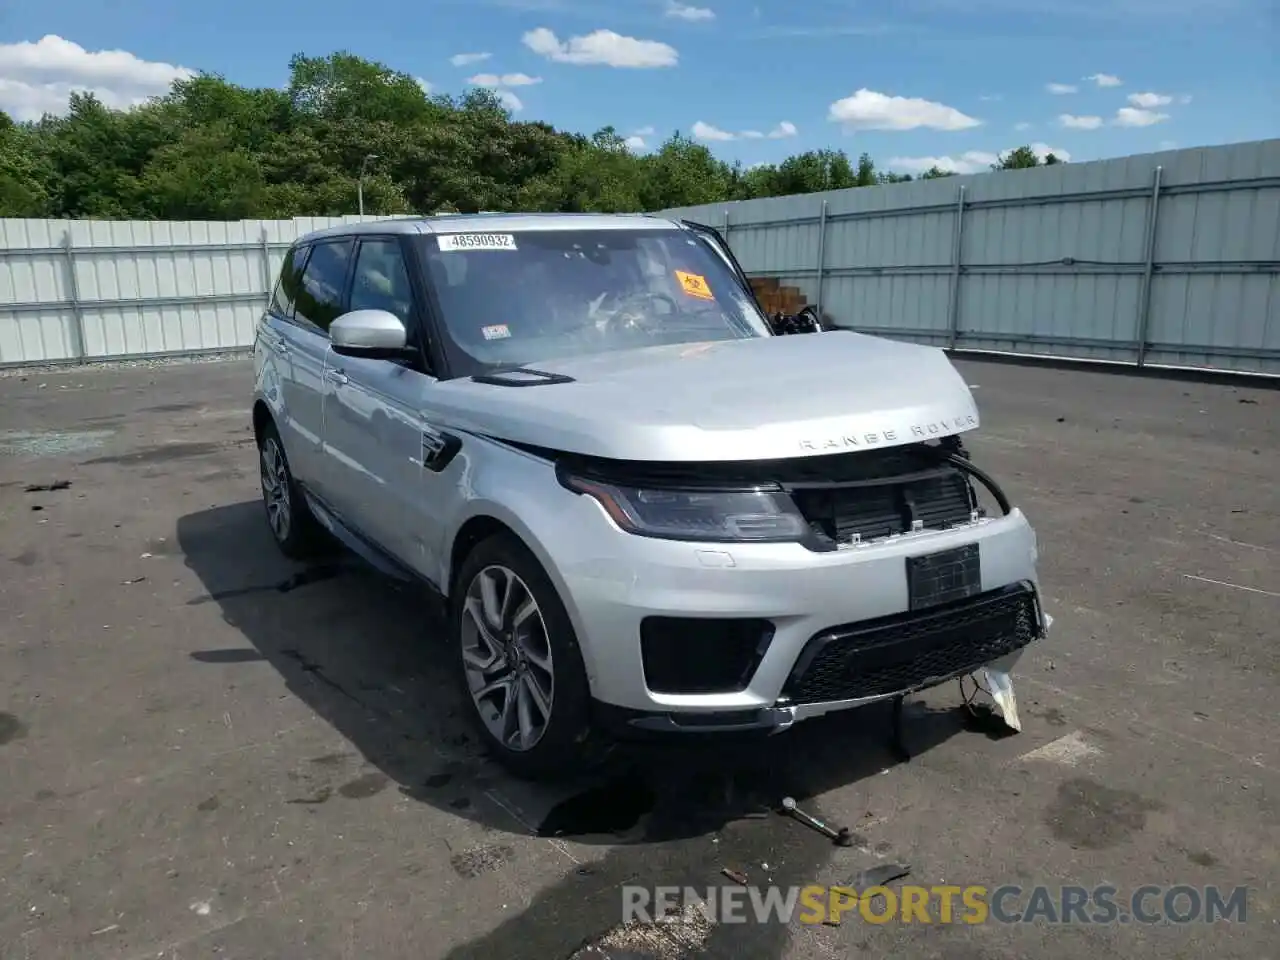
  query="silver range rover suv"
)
[{"x": 642, "y": 508}]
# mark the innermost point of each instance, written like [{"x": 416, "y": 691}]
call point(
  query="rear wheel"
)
[
  {"x": 520, "y": 663},
  {"x": 295, "y": 530}
]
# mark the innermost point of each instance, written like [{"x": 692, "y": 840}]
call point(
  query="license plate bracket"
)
[{"x": 945, "y": 576}]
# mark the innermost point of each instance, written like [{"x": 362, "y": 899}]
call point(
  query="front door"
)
[{"x": 374, "y": 439}]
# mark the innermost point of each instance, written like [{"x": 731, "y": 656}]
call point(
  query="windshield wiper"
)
[{"x": 518, "y": 375}]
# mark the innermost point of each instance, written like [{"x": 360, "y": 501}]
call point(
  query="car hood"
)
[{"x": 756, "y": 399}]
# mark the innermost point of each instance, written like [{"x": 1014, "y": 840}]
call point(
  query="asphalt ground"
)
[{"x": 204, "y": 753}]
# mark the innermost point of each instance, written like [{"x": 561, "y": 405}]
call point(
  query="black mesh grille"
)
[
  {"x": 888, "y": 507},
  {"x": 912, "y": 651}
]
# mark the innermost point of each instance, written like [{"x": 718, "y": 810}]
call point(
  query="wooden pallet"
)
[{"x": 775, "y": 298}]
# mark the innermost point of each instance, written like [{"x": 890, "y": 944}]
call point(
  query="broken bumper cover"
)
[{"x": 860, "y": 664}]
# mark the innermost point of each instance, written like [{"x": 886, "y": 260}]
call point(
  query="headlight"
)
[{"x": 725, "y": 516}]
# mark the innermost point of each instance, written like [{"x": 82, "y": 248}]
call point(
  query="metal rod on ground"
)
[
  {"x": 957, "y": 255},
  {"x": 1144, "y": 296},
  {"x": 73, "y": 290}
]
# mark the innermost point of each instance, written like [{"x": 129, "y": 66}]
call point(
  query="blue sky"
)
[{"x": 910, "y": 82}]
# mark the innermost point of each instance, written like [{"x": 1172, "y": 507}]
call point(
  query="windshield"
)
[{"x": 528, "y": 296}]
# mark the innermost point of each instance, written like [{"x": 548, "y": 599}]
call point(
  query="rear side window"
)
[
  {"x": 286, "y": 291},
  {"x": 319, "y": 299}
]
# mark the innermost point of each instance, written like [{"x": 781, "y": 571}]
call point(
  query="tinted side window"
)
[
  {"x": 381, "y": 280},
  {"x": 320, "y": 298},
  {"x": 286, "y": 291}
]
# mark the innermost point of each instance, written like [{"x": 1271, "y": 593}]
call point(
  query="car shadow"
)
[{"x": 365, "y": 654}]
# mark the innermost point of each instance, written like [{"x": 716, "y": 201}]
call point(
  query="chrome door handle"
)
[{"x": 336, "y": 376}]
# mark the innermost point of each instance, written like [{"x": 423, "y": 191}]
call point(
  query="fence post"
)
[
  {"x": 1148, "y": 268},
  {"x": 957, "y": 255},
  {"x": 822, "y": 253},
  {"x": 266, "y": 265},
  {"x": 73, "y": 290},
  {"x": 725, "y": 231}
]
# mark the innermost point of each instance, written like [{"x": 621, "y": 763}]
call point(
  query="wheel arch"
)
[{"x": 488, "y": 519}]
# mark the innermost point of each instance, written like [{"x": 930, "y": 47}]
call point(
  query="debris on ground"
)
[
  {"x": 673, "y": 937},
  {"x": 735, "y": 875},
  {"x": 47, "y": 487},
  {"x": 869, "y": 879}
]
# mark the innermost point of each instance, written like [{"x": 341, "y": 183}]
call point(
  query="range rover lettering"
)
[{"x": 643, "y": 508}]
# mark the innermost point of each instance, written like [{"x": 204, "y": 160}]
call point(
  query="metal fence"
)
[
  {"x": 84, "y": 290},
  {"x": 1168, "y": 259},
  {"x": 1163, "y": 259}
]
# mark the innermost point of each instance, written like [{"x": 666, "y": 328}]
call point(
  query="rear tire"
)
[
  {"x": 519, "y": 662},
  {"x": 295, "y": 530}
]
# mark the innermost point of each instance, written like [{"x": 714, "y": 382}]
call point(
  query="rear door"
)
[
  {"x": 320, "y": 301},
  {"x": 273, "y": 364}
]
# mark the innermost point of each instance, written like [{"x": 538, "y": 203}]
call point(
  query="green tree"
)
[{"x": 213, "y": 149}]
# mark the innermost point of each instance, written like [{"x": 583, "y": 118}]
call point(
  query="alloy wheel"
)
[
  {"x": 275, "y": 488},
  {"x": 506, "y": 655}
]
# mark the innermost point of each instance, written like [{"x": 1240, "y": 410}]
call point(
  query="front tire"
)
[
  {"x": 520, "y": 664},
  {"x": 292, "y": 525}
]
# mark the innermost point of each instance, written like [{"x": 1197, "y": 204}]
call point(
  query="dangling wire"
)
[{"x": 968, "y": 700}]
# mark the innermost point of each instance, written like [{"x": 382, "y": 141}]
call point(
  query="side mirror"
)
[{"x": 373, "y": 334}]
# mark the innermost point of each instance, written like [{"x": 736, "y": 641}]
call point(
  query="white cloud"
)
[
  {"x": 1105, "y": 79},
  {"x": 601, "y": 48},
  {"x": 1184, "y": 99},
  {"x": 705, "y": 131},
  {"x": 1137, "y": 117},
  {"x": 1060, "y": 88},
  {"x": 510, "y": 100},
  {"x": 645, "y": 132},
  {"x": 1023, "y": 125},
  {"x": 989, "y": 97},
  {"x": 503, "y": 80},
  {"x": 870, "y": 110},
  {"x": 1148, "y": 101},
  {"x": 424, "y": 85},
  {"x": 38, "y": 78},
  {"x": 972, "y": 161},
  {"x": 1079, "y": 123},
  {"x": 1042, "y": 150},
  {"x": 466, "y": 59},
  {"x": 634, "y": 142},
  {"x": 683, "y": 11}
]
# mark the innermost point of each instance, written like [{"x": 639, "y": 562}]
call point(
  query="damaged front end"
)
[{"x": 922, "y": 513}]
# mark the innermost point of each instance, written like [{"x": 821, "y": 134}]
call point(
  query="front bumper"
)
[{"x": 613, "y": 582}]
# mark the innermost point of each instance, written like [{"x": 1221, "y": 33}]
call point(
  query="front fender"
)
[{"x": 521, "y": 492}]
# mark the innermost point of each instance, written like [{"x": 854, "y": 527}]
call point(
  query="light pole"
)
[{"x": 360, "y": 183}]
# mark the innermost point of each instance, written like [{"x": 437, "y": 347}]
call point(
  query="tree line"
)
[{"x": 213, "y": 150}]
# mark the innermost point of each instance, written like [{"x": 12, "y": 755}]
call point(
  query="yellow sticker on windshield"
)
[{"x": 694, "y": 285}]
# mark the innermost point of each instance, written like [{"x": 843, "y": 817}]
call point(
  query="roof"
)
[{"x": 486, "y": 222}]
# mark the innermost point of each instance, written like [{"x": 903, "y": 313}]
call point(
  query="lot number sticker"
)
[
  {"x": 694, "y": 285},
  {"x": 454, "y": 242}
]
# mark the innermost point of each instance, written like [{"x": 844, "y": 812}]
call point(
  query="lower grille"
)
[{"x": 912, "y": 651}]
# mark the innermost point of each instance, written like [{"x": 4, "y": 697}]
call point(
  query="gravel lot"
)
[{"x": 206, "y": 752}]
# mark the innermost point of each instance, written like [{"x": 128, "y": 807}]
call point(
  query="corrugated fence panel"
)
[
  {"x": 1062, "y": 260},
  {"x": 98, "y": 289}
]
